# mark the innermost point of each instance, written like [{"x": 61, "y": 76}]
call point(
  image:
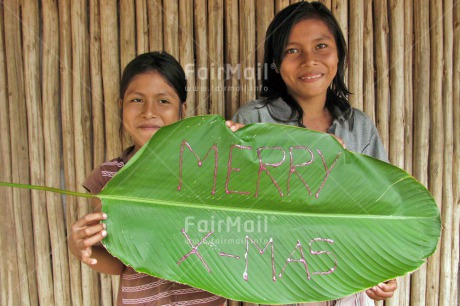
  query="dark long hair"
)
[
  {"x": 164, "y": 64},
  {"x": 276, "y": 38}
]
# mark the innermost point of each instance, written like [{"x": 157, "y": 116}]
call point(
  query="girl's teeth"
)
[{"x": 311, "y": 77}]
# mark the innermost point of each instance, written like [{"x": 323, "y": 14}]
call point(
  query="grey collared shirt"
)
[{"x": 362, "y": 137}]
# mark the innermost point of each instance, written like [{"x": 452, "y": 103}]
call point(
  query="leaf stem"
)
[{"x": 45, "y": 188}]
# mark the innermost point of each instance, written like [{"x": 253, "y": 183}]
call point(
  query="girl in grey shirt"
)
[{"x": 305, "y": 55}]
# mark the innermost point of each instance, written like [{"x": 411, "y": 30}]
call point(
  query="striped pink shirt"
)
[{"x": 139, "y": 288}]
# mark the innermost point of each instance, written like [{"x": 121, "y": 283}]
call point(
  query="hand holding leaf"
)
[{"x": 87, "y": 232}]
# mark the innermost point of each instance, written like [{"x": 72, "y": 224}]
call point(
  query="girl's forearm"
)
[{"x": 106, "y": 263}]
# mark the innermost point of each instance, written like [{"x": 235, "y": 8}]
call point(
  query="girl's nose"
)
[
  {"x": 149, "y": 110},
  {"x": 308, "y": 58}
]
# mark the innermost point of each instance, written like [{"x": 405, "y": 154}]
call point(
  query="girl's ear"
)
[
  {"x": 183, "y": 110},
  {"x": 120, "y": 103},
  {"x": 275, "y": 67}
]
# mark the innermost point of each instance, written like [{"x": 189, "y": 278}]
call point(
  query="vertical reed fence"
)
[{"x": 60, "y": 65}]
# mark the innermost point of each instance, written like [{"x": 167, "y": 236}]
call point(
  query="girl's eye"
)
[
  {"x": 321, "y": 46},
  {"x": 291, "y": 51},
  {"x": 136, "y": 100},
  {"x": 164, "y": 101}
]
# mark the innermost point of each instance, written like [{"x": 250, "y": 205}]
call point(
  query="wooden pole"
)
[
  {"x": 110, "y": 76},
  {"x": 436, "y": 139},
  {"x": 171, "y": 27},
  {"x": 247, "y": 71},
  {"x": 328, "y": 3},
  {"x": 396, "y": 145},
  {"x": 186, "y": 44},
  {"x": 280, "y": 4},
  {"x": 111, "y": 81},
  {"x": 97, "y": 115},
  {"x": 404, "y": 282},
  {"x": 97, "y": 95},
  {"x": 396, "y": 141},
  {"x": 382, "y": 68},
  {"x": 52, "y": 145},
  {"x": 30, "y": 34},
  {"x": 68, "y": 151},
  {"x": 368, "y": 66},
  {"x": 216, "y": 57},
  {"x": 232, "y": 53},
  {"x": 408, "y": 116},
  {"x": 128, "y": 51},
  {"x": 408, "y": 85},
  {"x": 447, "y": 190},
  {"x": 264, "y": 15},
  {"x": 19, "y": 154},
  {"x": 421, "y": 121},
  {"x": 155, "y": 13},
  {"x": 340, "y": 10},
  {"x": 356, "y": 53},
  {"x": 456, "y": 157},
  {"x": 201, "y": 55},
  {"x": 4, "y": 192},
  {"x": 142, "y": 29},
  {"x": 127, "y": 32},
  {"x": 81, "y": 116},
  {"x": 10, "y": 272}
]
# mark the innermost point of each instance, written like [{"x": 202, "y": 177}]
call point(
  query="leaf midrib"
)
[{"x": 269, "y": 212}]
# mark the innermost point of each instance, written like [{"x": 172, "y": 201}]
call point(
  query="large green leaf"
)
[{"x": 269, "y": 214}]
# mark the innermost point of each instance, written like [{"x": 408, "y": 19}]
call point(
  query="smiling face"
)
[
  {"x": 148, "y": 104},
  {"x": 310, "y": 61}
]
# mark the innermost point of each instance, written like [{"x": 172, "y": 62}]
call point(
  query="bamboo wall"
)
[{"x": 60, "y": 65}]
